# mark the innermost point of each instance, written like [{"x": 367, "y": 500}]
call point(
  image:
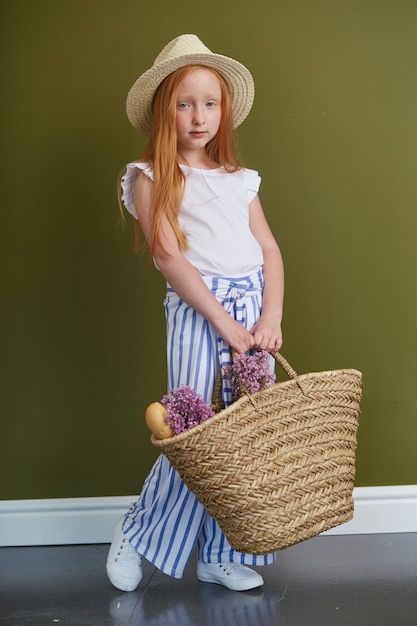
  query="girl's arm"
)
[
  {"x": 267, "y": 330},
  {"x": 184, "y": 278}
]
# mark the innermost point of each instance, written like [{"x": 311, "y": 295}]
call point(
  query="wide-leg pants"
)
[{"x": 168, "y": 522}]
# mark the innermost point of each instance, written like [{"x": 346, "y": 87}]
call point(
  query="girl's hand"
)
[
  {"x": 236, "y": 335},
  {"x": 267, "y": 335}
]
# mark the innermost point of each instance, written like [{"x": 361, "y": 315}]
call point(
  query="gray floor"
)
[{"x": 329, "y": 581}]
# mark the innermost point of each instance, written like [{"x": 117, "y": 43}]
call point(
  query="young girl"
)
[{"x": 202, "y": 219}]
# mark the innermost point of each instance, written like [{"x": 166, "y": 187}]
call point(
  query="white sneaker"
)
[
  {"x": 231, "y": 575},
  {"x": 124, "y": 565}
]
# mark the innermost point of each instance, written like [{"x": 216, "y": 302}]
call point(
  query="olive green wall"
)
[{"x": 333, "y": 134}]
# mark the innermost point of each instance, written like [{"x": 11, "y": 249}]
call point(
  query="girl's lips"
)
[{"x": 198, "y": 133}]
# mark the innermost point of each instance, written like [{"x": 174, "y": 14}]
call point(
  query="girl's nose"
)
[{"x": 198, "y": 118}]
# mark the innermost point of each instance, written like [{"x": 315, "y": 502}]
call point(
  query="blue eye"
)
[
  {"x": 182, "y": 105},
  {"x": 210, "y": 105}
]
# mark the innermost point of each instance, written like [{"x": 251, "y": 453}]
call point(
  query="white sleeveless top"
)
[{"x": 214, "y": 215}]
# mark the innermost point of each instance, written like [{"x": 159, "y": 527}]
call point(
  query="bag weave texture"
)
[{"x": 278, "y": 466}]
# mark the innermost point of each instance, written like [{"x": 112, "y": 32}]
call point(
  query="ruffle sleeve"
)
[
  {"x": 252, "y": 182},
  {"x": 128, "y": 184}
]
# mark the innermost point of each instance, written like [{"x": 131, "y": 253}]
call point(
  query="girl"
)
[{"x": 202, "y": 219}]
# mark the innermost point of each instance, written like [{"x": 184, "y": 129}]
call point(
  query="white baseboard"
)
[
  {"x": 60, "y": 521},
  {"x": 91, "y": 520},
  {"x": 381, "y": 510}
]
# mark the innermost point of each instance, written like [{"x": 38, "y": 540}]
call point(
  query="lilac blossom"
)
[
  {"x": 185, "y": 409},
  {"x": 253, "y": 371}
]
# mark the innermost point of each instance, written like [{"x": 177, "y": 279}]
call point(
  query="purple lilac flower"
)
[
  {"x": 252, "y": 371},
  {"x": 185, "y": 409}
]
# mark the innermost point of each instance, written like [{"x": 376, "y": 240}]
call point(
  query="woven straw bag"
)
[{"x": 276, "y": 467}]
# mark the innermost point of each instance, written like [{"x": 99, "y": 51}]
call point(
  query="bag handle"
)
[
  {"x": 217, "y": 401},
  {"x": 283, "y": 363}
]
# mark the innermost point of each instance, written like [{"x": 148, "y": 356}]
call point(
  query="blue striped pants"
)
[{"x": 168, "y": 522}]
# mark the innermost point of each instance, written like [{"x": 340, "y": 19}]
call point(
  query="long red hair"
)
[{"x": 161, "y": 153}]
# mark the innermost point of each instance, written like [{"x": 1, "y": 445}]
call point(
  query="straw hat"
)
[{"x": 181, "y": 51}]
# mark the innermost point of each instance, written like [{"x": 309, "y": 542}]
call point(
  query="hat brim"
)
[{"x": 237, "y": 76}]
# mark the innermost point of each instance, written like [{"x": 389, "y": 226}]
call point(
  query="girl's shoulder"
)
[
  {"x": 133, "y": 168},
  {"x": 252, "y": 179},
  {"x": 251, "y": 182},
  {"x": 128, "y": 180}
]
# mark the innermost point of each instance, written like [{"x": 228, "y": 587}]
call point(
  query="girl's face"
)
[{"x": 198, "y": 111}]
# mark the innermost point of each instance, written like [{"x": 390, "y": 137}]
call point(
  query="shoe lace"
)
[
  {"x": 230, "y": 568},
  {"x": 127, "y": 555}
]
